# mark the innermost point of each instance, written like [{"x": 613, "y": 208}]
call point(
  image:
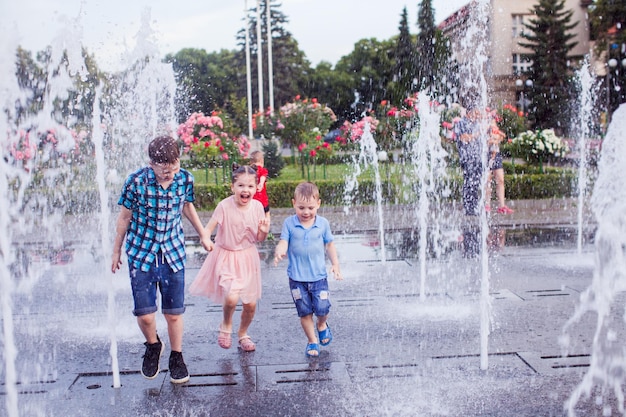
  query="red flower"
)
[
  {"x": 313, "y": 153},
  {"x": 207, "y": 144},
  {"x": 301, "y": 146},
  {"x": 383, "y": 103},
  {"x": 314, "y": 100}
]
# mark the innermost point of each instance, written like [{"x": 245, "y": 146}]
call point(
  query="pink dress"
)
[{"x": 233, "y": 266}]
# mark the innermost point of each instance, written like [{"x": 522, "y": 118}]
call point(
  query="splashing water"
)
[
  {"x": 608, "y": 361},
  {"x": 428, "y": 160},
  {"x": 56, "y": 197},
  {"x": 368, "y": 156},
  {"x": 587, "y": 91},
  {"x": 472, "y": 72}
]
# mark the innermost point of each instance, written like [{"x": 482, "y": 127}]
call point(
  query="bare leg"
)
[
  {"x": 246, "y": 319},
  {"x": 175, "y": 330},
  {"x": 499, "y": 174},
  {"x": 228, "y": 310},
  {"x": 309, "y": 328},
  {"x": 147, "y": 325}
]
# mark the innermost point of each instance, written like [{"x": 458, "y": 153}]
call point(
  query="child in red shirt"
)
[{"x": 258, "y": 161}]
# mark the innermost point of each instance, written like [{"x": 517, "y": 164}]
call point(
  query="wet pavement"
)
[{"x": 404, "y": 345}]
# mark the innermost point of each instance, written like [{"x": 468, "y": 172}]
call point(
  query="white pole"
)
[
  {"x": 270, "y": 68},
  {"x": 248, "y": 73},
  {"x": 259, "y": 55}
]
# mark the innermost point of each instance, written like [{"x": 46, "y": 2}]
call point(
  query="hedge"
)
[{"x": 557, "y": 183}]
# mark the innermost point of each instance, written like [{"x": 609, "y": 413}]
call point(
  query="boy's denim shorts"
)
[
  {"x": 170, "y": 284},
  {"x": 310, "y": 297}
]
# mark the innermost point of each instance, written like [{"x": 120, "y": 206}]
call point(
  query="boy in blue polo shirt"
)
[
  {"x": 305, "y": 238},
  {"x": 153, "y": 200}
]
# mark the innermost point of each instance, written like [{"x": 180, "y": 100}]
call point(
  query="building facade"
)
[{"x": 506, "y": 60}]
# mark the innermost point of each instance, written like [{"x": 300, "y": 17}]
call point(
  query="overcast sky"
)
[{"x": 325, "y": 29}]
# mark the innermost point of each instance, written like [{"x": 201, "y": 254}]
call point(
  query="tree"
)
[
  {"x": 332, "y": 87},
  {"x": 290, "y": 66},
  {"x": 369, "y": 66},
  {"x": 551, "y": 44},
  {"x": 426, "y": 45},
  {"x": 404, "y": 63},
  {"x": 205, "y": 81}
]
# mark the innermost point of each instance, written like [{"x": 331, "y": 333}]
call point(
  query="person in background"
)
[
  {"x": 496, "y": 170},
  {"x": 469, "y": 142},
  {"x": 153, "y": 200},
  {"x": 257, "y": 160}
]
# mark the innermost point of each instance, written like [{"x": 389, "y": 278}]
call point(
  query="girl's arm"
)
[
  {"x": 264, "y": 229},
  {"x": 334, "y": 260},
  {"x": 189, "y": 210}
]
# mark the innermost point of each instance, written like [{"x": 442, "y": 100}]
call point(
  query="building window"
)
[
  {"x": 521, "y": 63},
  {"x": 517, "y": 26}
]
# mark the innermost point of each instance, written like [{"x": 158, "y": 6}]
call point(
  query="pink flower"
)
[
  {"x": 313, "y": 153},
  {"x": 301, "y": 146},
  {"x": 225, "y": 156}
]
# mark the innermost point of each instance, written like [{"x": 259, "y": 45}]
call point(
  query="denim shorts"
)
[
  {"x": 310, "y": 297},
  {"x": 171, "y": 285}
]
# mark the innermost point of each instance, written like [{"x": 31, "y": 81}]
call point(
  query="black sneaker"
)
[
  {"x": 178, "y": 369},
  {"x": 150, "y": 368}
]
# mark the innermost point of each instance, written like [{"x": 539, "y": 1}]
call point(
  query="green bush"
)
[{"x": 554, "y": 183}]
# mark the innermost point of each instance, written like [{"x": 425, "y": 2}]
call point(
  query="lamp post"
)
[
  {"x": 521, "y": 84},
  {"x": 613, "y": 63}
]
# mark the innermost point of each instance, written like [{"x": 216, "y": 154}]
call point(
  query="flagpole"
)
[
  {"x": 259, "y": 55},
  {"x": 248, "y": 72},
  {"x": 270, "y": 69}
]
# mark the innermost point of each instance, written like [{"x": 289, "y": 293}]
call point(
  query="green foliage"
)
[
  {"x": 274, "y": 162},
  {"x": 550, "y": 40},
  {"x": 556, "y": 183}
]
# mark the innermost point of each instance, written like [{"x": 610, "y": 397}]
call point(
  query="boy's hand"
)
[
  {"x": 116, "y": 261},
  {"x": 336, "y": 272},
  {"x": 278, "y": 257}
]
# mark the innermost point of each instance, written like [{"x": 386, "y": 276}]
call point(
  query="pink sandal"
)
[
  {"x": 224, "y": 340},
  {"x": 246, "y": 344}
]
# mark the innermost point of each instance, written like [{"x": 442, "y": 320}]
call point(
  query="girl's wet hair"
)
[{"x": 242, "y": 170}]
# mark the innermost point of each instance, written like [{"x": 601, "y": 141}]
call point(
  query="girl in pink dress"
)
[{"x": 232, "y": 270}]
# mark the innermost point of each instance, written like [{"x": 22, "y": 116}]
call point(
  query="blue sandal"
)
[
  {"x": 325, "y": 334},
  {"x": 312, "y": 347}
]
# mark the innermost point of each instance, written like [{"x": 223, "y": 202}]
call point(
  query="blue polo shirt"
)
[
  {"x": 156, "y": 223},
  {"x": 306, "y": 248}
]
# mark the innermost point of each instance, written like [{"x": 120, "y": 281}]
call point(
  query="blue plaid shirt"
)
[{"x": 156, "y": 223}]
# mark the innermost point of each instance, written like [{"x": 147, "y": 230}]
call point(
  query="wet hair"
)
[
  {"x": 256, "y": 157},
  {"x": 307, "y": 191},
  {"x": 242, "y": 170},
  {"x": 163, "y": 150}
]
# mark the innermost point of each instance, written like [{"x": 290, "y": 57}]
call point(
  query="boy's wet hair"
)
[
  {"x": 163, "y": 150},
  {"x": 307, "y": 191},
  {"x": 242, "y": 170}
]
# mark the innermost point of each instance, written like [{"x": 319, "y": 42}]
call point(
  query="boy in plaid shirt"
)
[{"x": 153, "y": 200}]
